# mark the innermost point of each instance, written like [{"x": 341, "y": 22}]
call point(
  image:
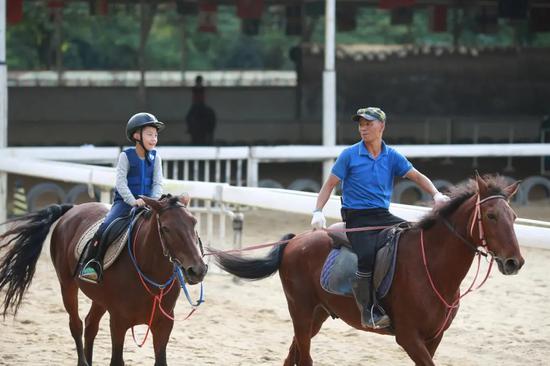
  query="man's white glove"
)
[
  {"x": 318, "y": 220},
  {"x": 440, "y": 199}
]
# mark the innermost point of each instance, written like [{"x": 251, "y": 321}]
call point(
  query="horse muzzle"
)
[
  {"x": 509, "y": 266},
  {"x": 195, "y": 274}
]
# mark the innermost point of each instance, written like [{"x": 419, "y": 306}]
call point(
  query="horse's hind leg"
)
[
  {"x": 91, "y": 328},
  {"x": 319, "y": 317},
  {"x": 69, "y": 291}
]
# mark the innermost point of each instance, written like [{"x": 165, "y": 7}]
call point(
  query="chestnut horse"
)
[
  {"x": 423, "y": 298},
  {"x": 166, "y": 239}
]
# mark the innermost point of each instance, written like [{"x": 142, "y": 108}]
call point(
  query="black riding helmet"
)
[{"x": 140, "y": 120}]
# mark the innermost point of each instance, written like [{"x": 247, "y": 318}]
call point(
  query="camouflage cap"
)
[{"x": 370, "y": 114}]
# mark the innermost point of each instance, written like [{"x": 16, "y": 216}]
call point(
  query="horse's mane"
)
[
  {"x": 172, "y": 200},
  {"x": 459, "y": 194}
]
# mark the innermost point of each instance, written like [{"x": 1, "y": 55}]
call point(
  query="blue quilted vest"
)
[{"x": 140, "y": 174}]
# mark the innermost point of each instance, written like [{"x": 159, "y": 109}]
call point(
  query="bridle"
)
[
  {"x": 166, "y": 286},
  {"x": 475, "y": 217},
  {"x": 165, "y": 250},
  {"x": 177, "y": 270}
]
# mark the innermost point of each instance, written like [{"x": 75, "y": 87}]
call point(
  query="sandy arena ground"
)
[{"x": 507, "y": 322}]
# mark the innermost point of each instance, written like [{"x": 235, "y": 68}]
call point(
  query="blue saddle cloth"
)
[{"x": 341, "y": 264}]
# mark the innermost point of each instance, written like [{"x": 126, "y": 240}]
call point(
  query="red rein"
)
[
  {"x": 272, "y": 244},
  {"x": 157, "y": 299}
]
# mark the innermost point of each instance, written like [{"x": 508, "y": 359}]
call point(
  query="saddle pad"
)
[
  {"x": 113, "y": 251},
  {"x": 338, "y": 271},
  {"x": 341, "y": 264}
]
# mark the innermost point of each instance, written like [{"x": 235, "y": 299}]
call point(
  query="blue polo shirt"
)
[{"x": 368, "y": 182}]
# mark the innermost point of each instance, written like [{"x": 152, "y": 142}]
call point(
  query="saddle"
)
[
  {"x": 341, "y": 263},
  {"x": 115, "y": 237}
]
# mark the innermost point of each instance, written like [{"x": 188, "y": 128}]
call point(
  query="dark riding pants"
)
[
  {"x": 362, "y": 242},
  {"x": 118, "y": 209}
]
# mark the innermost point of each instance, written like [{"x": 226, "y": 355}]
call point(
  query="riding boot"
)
[
  {"x": 92, "y": 270},
  {"x": 103, "y": 246},
  {"x": 371, "y": 316}
]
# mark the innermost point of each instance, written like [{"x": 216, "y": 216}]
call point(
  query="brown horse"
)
[
  {"x": 478, "y": 213},
  {"x": 166, "y": 238}
]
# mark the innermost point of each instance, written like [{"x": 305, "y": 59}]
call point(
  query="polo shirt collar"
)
[{"x": 363, "y": 150}]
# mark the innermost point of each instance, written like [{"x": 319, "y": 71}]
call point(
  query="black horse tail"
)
[
  {"x": 253, "y": 268},
  {"x": 23, "y": 242}
]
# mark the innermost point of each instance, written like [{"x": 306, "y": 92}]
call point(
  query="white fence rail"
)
[
  {"x": 208, "y": 164},
  {"x": 239, "y": 165},
  {"x": 83, "y": 154},
  {"x": 530, "y": 233},
  {"x": 306, "y": 152}
]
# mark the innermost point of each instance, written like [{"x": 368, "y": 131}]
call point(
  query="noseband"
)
[{"x": 477, "y": 216}]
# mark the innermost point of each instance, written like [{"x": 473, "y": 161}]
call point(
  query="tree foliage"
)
[{"x": 111, "y": 42}]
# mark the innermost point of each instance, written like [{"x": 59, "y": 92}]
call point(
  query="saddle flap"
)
[
  {"x": 116, "y": 235},
  {"x": 386, "y": 256},
  {"x": 116, "y": 229},
  {"x": 341, "y": 264}
]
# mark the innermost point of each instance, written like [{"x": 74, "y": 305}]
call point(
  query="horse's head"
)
[
  {"x": 495, "y": 223},
  {"x": 179, "y": 239}
]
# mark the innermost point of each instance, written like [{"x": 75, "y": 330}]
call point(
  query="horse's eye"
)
[
  {"x": 165, "y": 229},
  {"x": 491, "y": 216}
]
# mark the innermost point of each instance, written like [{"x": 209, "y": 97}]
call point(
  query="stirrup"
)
[
  {"x": 383, "y": 319},
  {"x": 86, "y": 273}
]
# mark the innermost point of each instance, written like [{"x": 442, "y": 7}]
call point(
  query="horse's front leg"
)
[
  {"x": 415, "y": 347},
  {"x": 292, "y": 357},
  {"x": 161, "y": 330},
  {"x": 433, "y": 344},
  {"x": 118, "y": 331}
]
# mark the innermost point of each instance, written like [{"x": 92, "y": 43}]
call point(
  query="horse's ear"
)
[
  {"x": 185, "y": 198},
  {"x": 154, "y": 204},
  {"x": 481, "y": 185},
  {"x": 511, "y": 190}
]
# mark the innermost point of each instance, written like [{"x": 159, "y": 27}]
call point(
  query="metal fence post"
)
[
  {"x": 252, "y": 172},
  {"x": 238, "y": 223}
]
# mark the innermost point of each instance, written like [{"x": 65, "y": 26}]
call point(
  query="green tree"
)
[{"x": 112, "y": 42}]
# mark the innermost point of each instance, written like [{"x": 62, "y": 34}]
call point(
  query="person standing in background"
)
[{"x": 200, "y": 119}]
